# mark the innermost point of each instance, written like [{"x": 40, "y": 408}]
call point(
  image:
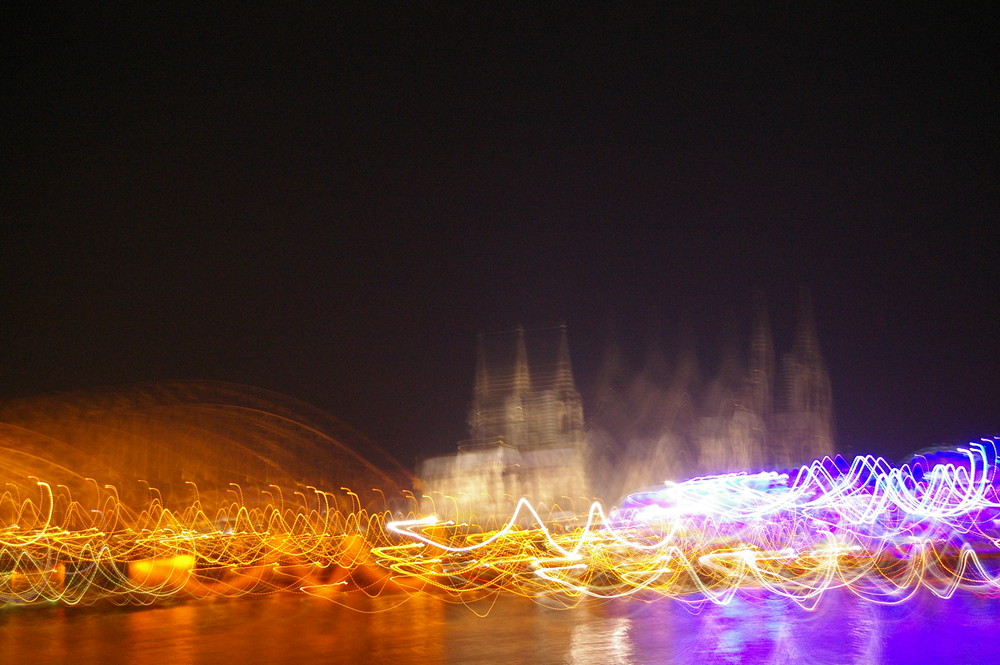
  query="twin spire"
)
[
  {"x": 763, "y": 376},
  {"x": 522, "y": 375}
]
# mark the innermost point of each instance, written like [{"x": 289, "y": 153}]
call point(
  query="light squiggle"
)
[
  {"x": 53, "y": 549},
  {"x": 880, "y": 531}
]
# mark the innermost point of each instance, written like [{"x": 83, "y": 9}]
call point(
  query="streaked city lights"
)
[{"x": 883, "y": 532}]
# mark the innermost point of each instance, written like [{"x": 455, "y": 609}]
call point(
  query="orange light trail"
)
[{"x": 57, "y": 550}]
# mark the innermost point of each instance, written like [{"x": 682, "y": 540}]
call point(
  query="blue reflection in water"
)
[{"x": 842, "y": 629}]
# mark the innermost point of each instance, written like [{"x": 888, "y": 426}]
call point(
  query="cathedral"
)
[
  {"x": 662, "y": 421},
  {"x": 527, "y": 435},
  {"x": 669, "y": 421}
]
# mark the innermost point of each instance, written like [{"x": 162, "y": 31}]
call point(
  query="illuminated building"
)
[
  {"x": 659, "y": 424},
  {"x": 528, "y": 436},
  {"x": 526, "y": 429}
]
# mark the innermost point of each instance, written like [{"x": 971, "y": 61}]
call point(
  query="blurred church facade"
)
[
  {"x": 671, "y": 421},
  {"x": 664, "y": 421},
  {"x": 527, "y": 434}
]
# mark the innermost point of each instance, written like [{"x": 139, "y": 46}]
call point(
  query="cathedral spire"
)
[
  {"x": 482, "y": 377},
  {"x": 806, "y": 339},
  {"x": 655, "y": 366},
  {"x": 611, "y": 376},
  {"x": 730, "y": 361},
  {"x": 688, "y": 373},
  {"x": 762, "y": 368},
  {"x": 564, "y": 370},
  {"x": 807, "y": 384},
  {"x": 522, "y": 380}
]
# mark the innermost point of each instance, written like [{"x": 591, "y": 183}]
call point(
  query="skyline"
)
[{"x": 331, "y": 205}]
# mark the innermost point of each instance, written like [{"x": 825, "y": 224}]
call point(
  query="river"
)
[{"x": 291, "y": 628}]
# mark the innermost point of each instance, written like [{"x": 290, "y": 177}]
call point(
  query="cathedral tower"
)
[{"x": 805, "y": 423}]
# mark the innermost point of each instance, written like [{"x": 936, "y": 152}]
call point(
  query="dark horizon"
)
[{"x": 331, "y": 205}]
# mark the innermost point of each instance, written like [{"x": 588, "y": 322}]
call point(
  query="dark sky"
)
[{"x": 332, "y": 204}]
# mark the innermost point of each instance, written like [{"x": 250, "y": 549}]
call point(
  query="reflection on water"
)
[{"x": 285, "y": 628}]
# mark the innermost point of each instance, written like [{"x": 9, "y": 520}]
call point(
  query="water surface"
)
[{"x": 288, "y": 628}]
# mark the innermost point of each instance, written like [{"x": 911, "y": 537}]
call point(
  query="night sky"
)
[{"x": 332, "y": 204}]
